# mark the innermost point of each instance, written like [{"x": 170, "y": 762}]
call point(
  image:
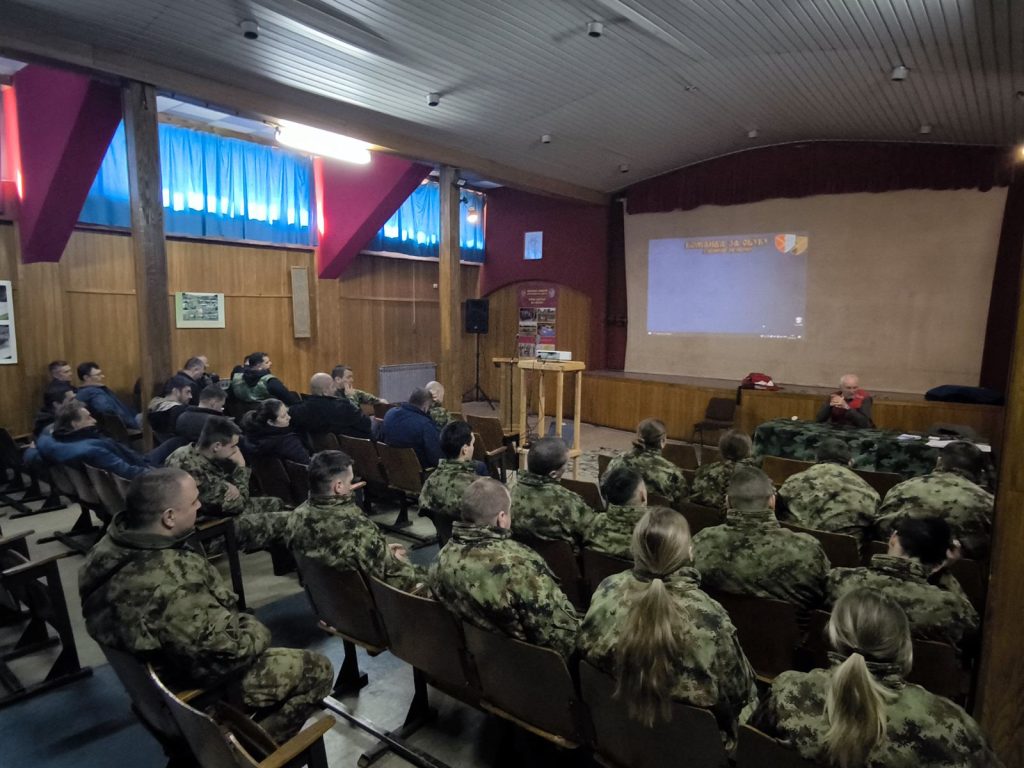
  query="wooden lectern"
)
[
  {"x": 509, "y": 402},
  {"x": 559, "y": 369}
]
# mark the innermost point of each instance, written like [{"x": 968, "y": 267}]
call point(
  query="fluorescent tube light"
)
[{"x": 323, "y": 143}]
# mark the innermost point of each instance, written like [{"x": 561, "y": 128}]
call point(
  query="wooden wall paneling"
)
[{"x": 21, "y": 382}]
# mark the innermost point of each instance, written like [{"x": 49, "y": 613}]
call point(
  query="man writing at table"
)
[{"x": 849, "y": 407}]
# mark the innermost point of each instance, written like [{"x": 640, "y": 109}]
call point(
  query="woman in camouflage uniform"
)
[
  {"x": 861, "y": 712},
  {"x": 661, "y": 476}
]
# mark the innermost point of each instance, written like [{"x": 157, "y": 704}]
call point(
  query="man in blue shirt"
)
[{"x": 410, "y": 426}]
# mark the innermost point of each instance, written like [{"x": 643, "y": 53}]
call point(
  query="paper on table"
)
[{"x": 905, "y": 436}]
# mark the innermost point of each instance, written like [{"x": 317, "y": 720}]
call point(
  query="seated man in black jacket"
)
[
  {"x": 323, "y": 411},
  {"x": 211, "y": 403},
  {"x": 255, "y": 382}
]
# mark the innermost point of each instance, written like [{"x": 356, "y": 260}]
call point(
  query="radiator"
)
[{"x": 396, "y": 382}]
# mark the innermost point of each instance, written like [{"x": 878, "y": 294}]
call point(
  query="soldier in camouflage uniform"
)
[
  {"x": 953, "y": 492},
  {"x": 544, "y": 508},
  {"x": 331, "y": 529},
  {"x": 711, "y": 480},
  {"x": 437, "y": 412},
  {"x": 497, "y": 584},
  {"x": 345, "y": 380},
  {"x": 217, "y": 466},
  {"x": 624, "y": 629},
  {"x": 872, "y": 655},
  {"x": 830, "y": 496},
  {"x": 752, "y": 555},
  {"x": 443, "y": 489},
  {"x": 917, "y": 548},
  {"x": 611, "y": 531},
  {"x": 660, "y": 475},
  {"x": 146, "y": 592}
]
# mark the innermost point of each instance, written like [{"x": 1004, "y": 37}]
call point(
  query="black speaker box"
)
[{"x": 477, "y": 315}]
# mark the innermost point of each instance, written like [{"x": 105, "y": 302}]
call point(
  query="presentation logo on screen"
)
[{"x": 746, "y": 284}]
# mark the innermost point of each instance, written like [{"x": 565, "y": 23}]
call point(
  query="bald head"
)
[
  {"x": 436, "y": 390},
  {"x": 849, "y": 383},
  {"x": 322, "y": 384}
]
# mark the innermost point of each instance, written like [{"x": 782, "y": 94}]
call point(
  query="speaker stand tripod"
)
[{"x": 477, "y": 392}]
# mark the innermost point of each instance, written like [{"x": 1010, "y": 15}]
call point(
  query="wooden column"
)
[
  {"x": 138, "y": 101},
  {"x": 1001, "y": 679},
  {"x": 449, "y": 289}
]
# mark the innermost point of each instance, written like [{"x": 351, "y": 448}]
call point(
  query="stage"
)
[{"x": 620, "y": 399}]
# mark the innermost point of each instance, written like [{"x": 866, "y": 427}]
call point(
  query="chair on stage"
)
[
  {"x": 689, "y": 737},
  {"x": 719, "y": 415}
]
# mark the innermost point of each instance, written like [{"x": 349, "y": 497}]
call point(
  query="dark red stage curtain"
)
[{"x": 822, "y": 168}]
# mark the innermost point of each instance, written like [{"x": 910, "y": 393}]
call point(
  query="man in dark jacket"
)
[
  {"x": 59, "y": 384},
  {"x": 76, "y": 441},
  {"x": 255, "y": 382},
  {"x": 97, "y": 397},
  {"x": 324, "y": 411},
  {"x": 192, "y": 372},
  {"x": 190, "y": 423},
  {"x": 164, "y": 411},
  {"x": 409, "y": 426}
]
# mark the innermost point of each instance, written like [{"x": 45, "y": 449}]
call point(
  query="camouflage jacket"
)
[
  {"x": 439, "y": 415},
  {"x": 334, "y": 531},
  {"x": 922, "y": 730},
  {"x": 711, "y": 481},
  {"x": 710, "y": 671},
  {"x": 831, "y": 497},
  {"x": 965, "y": 506},
  {"x": 213, "y": 480},
  {"x": 358, "y": 397},
  {"x": 544, "y": 508},
  {"x": 660, "y": 475},
  {"x": 934, "y": 612},
  {"x": 751, "y": 554},
  {"x": 159, "y": 600},
  {"x": 442, "y": 492},
  {"x": 611, "y": 531},
  {"x": 497, "y": 584}
]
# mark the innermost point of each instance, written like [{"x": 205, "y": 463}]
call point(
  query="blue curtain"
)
[
  {"x": 213, "y": 187},
  {"x": 415, "y": 227}
]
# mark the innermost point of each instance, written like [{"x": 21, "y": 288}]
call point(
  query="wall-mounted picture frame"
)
[
  {"x": 199, "y": 310},
  {"x": 8, "y": 340}
]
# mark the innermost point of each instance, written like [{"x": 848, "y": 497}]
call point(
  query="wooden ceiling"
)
[{"x": 670, "y": 82}]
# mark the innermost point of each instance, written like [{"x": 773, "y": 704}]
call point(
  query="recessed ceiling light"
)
[{"x": 899, "y": 73}]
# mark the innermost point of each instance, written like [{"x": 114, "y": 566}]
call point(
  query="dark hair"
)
[
  {"x": 265, "y": 411},
  {"x": 734, "y": 445},
  {"x": 964, "y": 458},
  {"x": 84, "y": 369},
  {"x": 52, "y": 367},
  {"x": 67, "y": 413},
  {"x": 482, "y": 501},
  {"x": 926, "y": 538},
  {"x": 193, "y": 362},
  {"x": 150, "y": 494},
  {"x": 420, "y": 397},
  {"x": 55, "y": 393},
  {"x": 217, "y": 429},
  {"x": 749, "y": 489},
  {"x": 833, "y": 449},
  {"x": 255, "y": 358},
  {"x": 338, "y": 371},
  {"x": 547, "y": 455},
  {"x": 213, "y": 392},
  {"x": 455, "y": 435},
  {"x": 324, "y": 468},
  {"x": 650, "y": 433},
  {"x": 177, "y": 382},
  {"x": 619, "y": 485}
]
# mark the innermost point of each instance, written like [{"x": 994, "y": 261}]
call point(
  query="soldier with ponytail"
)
[{"x": 861, "y": 713}]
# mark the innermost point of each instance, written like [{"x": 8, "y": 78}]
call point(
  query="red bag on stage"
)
[{"x": 758, "y": 381}]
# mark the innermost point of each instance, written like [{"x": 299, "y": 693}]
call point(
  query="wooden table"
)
[{"x": 559, "y": 369}]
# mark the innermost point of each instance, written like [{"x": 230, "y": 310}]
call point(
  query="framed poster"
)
[
  {"x": 533, "y": 246},
  {"x": 199, "y": 310},
  {"x": 8, "y": 342}
]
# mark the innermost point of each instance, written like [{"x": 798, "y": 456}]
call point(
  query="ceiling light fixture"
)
[
  {"x": 925, "y": 129},
  {"x": 753, "y": 133},
  {"x": 323, "y": 143},
  {"x": 472, "y": 216},
  {"x": 433, "y": 99},
  {"x": 623, "y": 167},
  {"x": 595, "y": 29},
  {"x": 899, "y": 73}
]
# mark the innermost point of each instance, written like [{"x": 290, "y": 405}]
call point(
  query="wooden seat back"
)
[
  {"x": 365, "y": 458},
  {"x": 324, "y": 441},
  {"x": 842, "y": 551},
  {"x": 380, "y": 409},
  {"x": 973, "y": 577},
  {"x": 402, "y": 468},
  {"x": 880, "y": 481},
  {"x": 442, "y": 524},
  {"x": 709, "y": 454},
  {"x": 683, "y": 455},
  {"x": 588, "y": 491},
  {"x": 103, "y": 483},
  {"x": 147, "y": 699},
  {"x": 657, "y": 500},
  {"x": 759, "y": 750},
  {"x": 272, "y": 478},
  {"x": 766, "y": 628},
  {"x": 425, "y": 635},
  {"x": 490, "y": 430},
  {"x": 298, "y": 479},
  {"x": 623, "y": 741},
  {"x": 700, "y": 517},
  {"x": 116, "y": 429},
  {"x": 597, "y": 566},
  {"x": 343, "y": 603},
  {"x": 603, "y": 460},
  {"x": 509, "y": 672},
  {"x": 561, "y": 559},
  {"x": 780, "y": 469},
  {"x": 61, "y": 478}
]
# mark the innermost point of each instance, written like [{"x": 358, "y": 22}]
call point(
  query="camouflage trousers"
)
[
  {"x": 260, "y": 525},
  {"x": 285, "y": 686}
]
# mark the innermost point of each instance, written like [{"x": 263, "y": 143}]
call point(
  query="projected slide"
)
[{"x": 738, "y": 284}]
